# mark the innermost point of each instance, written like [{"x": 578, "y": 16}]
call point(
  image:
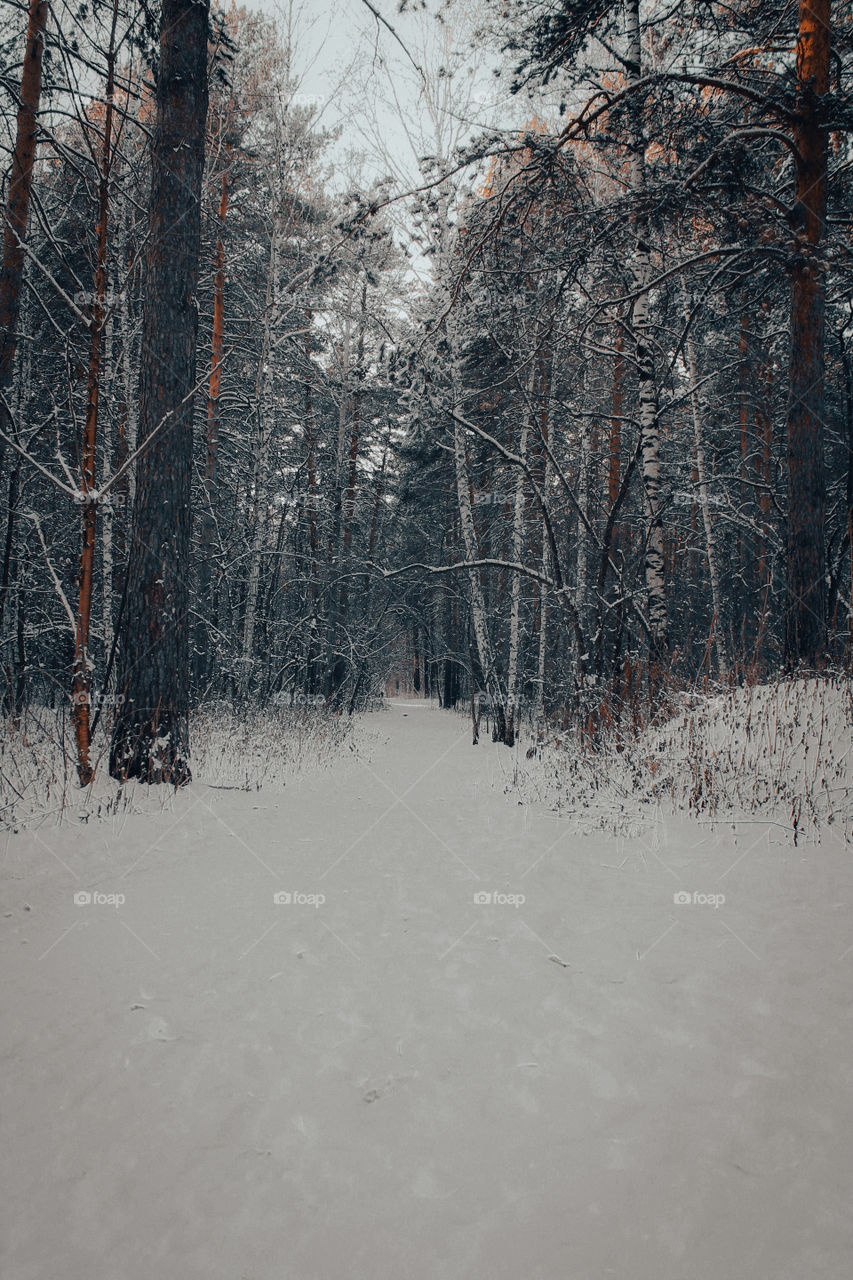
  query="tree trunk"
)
[
  {"x": 614, "y": 455},
  {"x": 478, "y": 603},
  {"x": 151, "y": 733},
  {"x": 18, "y": 207},
  {"x": 646, "y": 389},
  {"x": 266, "y": 421},
  {"x": 517, "y": 556},
  {"x": 805, "y": 613},
  {"x": 208, "y": 521},
  {"x": 582, "y": 539},
  {"x": 697, "y": 404},
  {"x": 547, "y": 394},
  {"x": 81, "y": 695},
  {"x": 348, "y": 507}
]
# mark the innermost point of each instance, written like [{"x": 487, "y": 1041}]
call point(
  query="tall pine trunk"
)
[
  {"x": 805, "y": 613},
  {"x": 207, "y": 530},
  {"x": 82, "y": 678},
  {"x": 151, "y": 733},
  {"x": 18, "y": 207}
]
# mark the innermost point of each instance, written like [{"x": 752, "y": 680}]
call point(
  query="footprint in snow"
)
[
  {"x": 391, "y": 1082},
  {"x": 156, "y": 1029}
]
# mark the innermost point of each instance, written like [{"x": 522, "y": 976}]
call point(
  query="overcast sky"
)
[
  {"x": 370, "y": 88},
  {"x": 328, "y": 35}
]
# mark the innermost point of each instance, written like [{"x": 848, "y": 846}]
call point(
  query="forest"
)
[
  {"x": 556, "y": 421},
  {"x": 426, "y": 639}
]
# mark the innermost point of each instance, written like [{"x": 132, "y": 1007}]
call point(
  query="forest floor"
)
[{"x": 387, "y": 1079}]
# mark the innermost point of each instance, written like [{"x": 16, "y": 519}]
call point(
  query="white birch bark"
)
[
  {"x": 469, "y": 541},
  {"x": 697, "y": 404},
  {"x": 463, "y": 487},
  {"x": 647, "y": 401},
  {"x": 336, "y": 513}
]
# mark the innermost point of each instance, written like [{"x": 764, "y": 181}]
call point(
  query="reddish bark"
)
[
  {"x": 82, "y": 683},
  {"x": 805, "y": 621},
  {"x": 18, "y": 204},
  {"x": 217, "y": 337}
]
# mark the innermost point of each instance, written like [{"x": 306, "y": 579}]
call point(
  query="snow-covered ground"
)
[
  {"x": 783, "y": 751},
  {"x": 385, "y": 1077},
  {"x": 245, "y": 748}
]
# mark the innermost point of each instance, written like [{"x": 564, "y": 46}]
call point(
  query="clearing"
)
[{"x": 384, "y": 1078}]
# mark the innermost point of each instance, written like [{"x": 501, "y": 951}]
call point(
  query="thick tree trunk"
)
[
  {"x": 151, "y": 734},
  {"x": 18, "y": 207},
  {"x": 805, "y": 614}
]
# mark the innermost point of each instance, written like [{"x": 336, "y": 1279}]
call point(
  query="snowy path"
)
[{"x": 404, "y": 1084}]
